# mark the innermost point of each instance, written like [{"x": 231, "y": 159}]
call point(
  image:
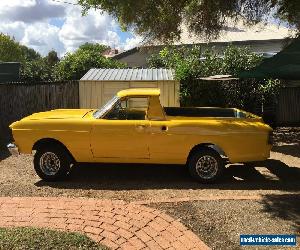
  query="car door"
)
[
  {"x": 167, "y": 142},
  {"x": 123, "y": 132}
]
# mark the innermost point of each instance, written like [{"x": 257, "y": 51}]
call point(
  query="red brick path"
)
[{"x": 116, "y": 224}]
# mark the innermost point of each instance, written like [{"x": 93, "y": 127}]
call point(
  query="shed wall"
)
[{"x": 94, "y": 94}]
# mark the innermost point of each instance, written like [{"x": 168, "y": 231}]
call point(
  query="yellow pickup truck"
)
[{"x": 133, "y": 127}]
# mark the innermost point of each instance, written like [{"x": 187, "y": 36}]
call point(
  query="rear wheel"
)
[
  {"x": 206, "y": 165},
  {"x": 52, "y": 163}
]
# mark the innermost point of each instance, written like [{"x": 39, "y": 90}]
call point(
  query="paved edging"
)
[
  {"x": 206, "y": 198},
  {"x": 116, "y": 224}
]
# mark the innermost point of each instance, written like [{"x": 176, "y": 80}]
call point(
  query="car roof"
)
[{"x": 139, "y": 92}]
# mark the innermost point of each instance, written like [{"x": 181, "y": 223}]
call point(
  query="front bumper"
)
[{"x": 13, "y": 149}]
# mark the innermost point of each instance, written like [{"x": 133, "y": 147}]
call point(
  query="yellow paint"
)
[
  {"x": 139, "y": 92},
  {"x": 157, "y": 140}
]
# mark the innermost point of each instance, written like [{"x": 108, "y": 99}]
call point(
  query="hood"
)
[{"x": 58, "y": 114}]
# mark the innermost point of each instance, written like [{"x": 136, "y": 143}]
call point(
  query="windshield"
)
[{"x": 100, "y": 112}]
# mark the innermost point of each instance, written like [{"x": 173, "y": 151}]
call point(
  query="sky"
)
[{"x": 46, "y": 25}]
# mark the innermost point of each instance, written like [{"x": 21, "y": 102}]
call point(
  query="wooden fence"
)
[
  {"x": 18, "y": 100},
  {"x": 288, "y": 107}
]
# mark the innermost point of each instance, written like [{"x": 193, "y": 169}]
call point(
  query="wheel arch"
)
[
  {"x": 212, "y": 146},
  {"x": 52, "y": 142}
]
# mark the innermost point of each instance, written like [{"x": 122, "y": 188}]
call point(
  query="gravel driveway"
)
[
  {"x": 150, "y": 182},
  {"x": 218, "y": 223}
]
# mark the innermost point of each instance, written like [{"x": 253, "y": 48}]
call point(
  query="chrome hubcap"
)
[
  {"x": 49, "y": 163},
  {"x": 207, "y": 167}
]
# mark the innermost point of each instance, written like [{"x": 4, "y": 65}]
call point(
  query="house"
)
[
  {"x": 110, "y": 53},
  {"x": 263, "y": 39}
]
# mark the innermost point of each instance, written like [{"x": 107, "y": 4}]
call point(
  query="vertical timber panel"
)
[
  {"x": 171, "y": 93},
  {"x": 82, "y": 94},
  {"x": 160, "y": 85},
  {"x": 288, "y": 107},
  {"x": 166, "y": 94},
  {"x": 177, "y": 93}
]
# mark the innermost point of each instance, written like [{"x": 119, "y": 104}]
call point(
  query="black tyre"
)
[
  {"x": 206, "y": 165},
  {"x": 52, "y": 163}
]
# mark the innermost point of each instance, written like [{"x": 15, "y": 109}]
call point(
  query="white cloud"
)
[
  {"x": 14, "y": 29},
  {"x": 30, "y": 11},
  {"x": 133, "y": 42},
  {"x": 14, "y": 3},
  {"x": 31, "y": 23},
  {"x": 43, "y": 38},
  {"x": 95, "y": 27}
]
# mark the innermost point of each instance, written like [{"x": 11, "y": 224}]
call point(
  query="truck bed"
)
[{"x": 202, "y": 112}]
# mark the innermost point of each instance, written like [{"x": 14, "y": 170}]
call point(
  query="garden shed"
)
[{"x": 97, "y": 86}]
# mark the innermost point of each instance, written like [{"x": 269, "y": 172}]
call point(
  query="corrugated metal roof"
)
[{"x": 129, "y": 75}]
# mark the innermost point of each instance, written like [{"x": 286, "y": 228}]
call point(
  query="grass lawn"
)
[{"x": 36, "y": 238}]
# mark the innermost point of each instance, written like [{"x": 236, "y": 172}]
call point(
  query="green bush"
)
[
  {"x": 36, "y": 70},
  {"x": 192, "y": 63}
]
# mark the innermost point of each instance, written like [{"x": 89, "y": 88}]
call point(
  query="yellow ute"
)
[{"x": 133, "y": 127}]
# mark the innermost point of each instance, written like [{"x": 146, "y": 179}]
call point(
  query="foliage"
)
[
  {"x": 197, "y": 62},
  {"x": 74, "y": 65},
  {"x": 10, "y": 50},
  {"x": 163, "y": 20},
  {"x": 192, "y": 63},
  {"x": 36, "y": 71},
  {"x": 95, "y": 47},
  {"x": 33, "y": 238},
  {"x": 52, "y": 58},
  {"x": 29, "y": 54},
  {"x": 269, "y": 91}
]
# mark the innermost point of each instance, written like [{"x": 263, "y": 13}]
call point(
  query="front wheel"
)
[
  {"x": 206, "y": 165},
  {"x": 52, "y": 163}
]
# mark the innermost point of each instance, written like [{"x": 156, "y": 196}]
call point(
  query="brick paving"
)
[
  {"x": 206, "y": 198},
  {"x": 116, "y": 224}
]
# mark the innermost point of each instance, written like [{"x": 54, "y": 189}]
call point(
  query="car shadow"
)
[
  {"x": 286, "y": 207},
  {"x": 142, "y": 177}
]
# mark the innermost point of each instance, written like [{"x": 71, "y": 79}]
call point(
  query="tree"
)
[
  {"x": 36, "y": 68},
  {"x": 10, "y": 50},
  {"x": 74, "y": 65},
  {"x": 52, "y": 58},
  {"x": 94, "y": 47},
  {"x": 33, "y": 66},
  {"x": 29, "y": 54},
  {"x": 162, "y": 19}
]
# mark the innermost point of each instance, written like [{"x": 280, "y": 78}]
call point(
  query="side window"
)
[{"x": 131, "y": 108}]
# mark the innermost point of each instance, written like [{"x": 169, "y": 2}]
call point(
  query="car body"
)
[{"x": 133, "y": 127}]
